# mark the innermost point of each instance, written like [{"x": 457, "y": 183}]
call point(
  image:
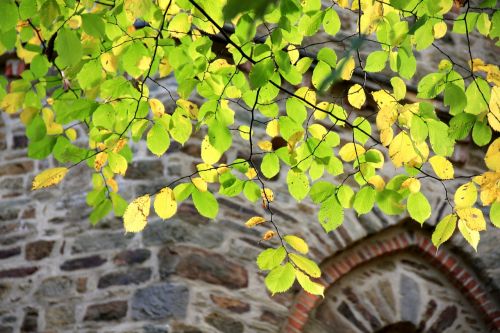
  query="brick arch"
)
[{"x": 392, "y": 242}]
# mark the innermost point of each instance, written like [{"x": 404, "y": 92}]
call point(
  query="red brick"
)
[
  {"x": 299, "y": 316},
  {"x": 450, "y": 263},
  {"x": 294, "y": 323}
]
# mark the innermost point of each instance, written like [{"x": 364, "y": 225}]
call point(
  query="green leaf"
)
[
  {"x": 158, "y": 140},
  {"x": 270, "y": 165},
  {"x": 481, "y": 133},
  {"x": 495, "y": 214},
  {"x": 321, "y": 190},
  {"x": 305, "y": 264},
  {"x": 280, "y": 279},
  {"x": 298, "y": 184},
  {"x": 364, "y": 200},
  {"x": 418, "y": 207},
  {"x": 271, "y": 258},
  {"x": 261, "y": 73},
  {"x": 375, "y": 62},
  {"x": 99, "y": 212},
  {"x": 389, "y": 202},
  {"x": 321, "y": 73},
  {"x": 431, "y": 85},
  {"x": 461, "y": 125},
  {"x": 68, "y": 47},
  {"x": 331, "y": 22},
  {"x": 308, "y": 285},
  {"x": 478, "y": 93},
  {"x": 183, "y": 191},
  {"x": 104, "y": 116},
  {"x": 251, "y": 191},
  {"x": 455, "y": 98},
  {"x": 331, "y": 214},
  {"x": 93, "y": 25},
  {"x": 444, "y": 230},
  {"x": 205, "y": 203},
  {"x": 9, "y": 15},
  {"x": 441, "y": 143}
]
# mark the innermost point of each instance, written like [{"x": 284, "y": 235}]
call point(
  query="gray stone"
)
[
  {"x": 82, "y": 263},
  {"x": 60, "y": 315},
  {"x": 106, "y": 311},
  {"x": 155, "y": 329},
  {"x": 133, "y": 276},
  {"x": 55, "y": 287},
  {"x": 149, "y": 169},
  {"x": 160, "y": 301},
  {"x": 167, "y": 261},
  {"x": 93, "y": 242},
  {"x": 175, "y": 231},
  {"x": 131, "y": 257},
  {"x": 224, "y": 323},
  {"x": 409, "y": 299}
]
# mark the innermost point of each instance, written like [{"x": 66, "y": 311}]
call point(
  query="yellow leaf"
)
[
  {"x": 412, "y": 184},
  {"x": 347, "y": 67},
  {"x": 135, "y": 216},
  {"x": 165, "y": 68},
  {"x": 267, "y": 195},
  {"x": 490, "y": 192},
  {"x": 401, "y": 150},
  {"x": 386, "y": 136},
  {"x": 317, "y": 131},
  {"x": 157, "y": 107},
  {"x": 494, "y": 114},
  {"x": 294, "y": 139},
  {"x": 439, "y": 30},
  {"x": 377, "y": 181},
  {"x": 165, "y": 204},
  {"x": 209, "y": 154},
  {"x": 356, "y": 96},
  {"x": 442, "y": 167},
  {"x": 268, "y": 235},
  {"x": 223, "y": 168},
  {"x": 75, "y": 22},
  {"x": 297, "y": 243},
  {"x": 209, "y": 175},
  {"x": 12, "y": 102},
  {"x": 350, "y": 151},
  {"x": 48, "y": 178},
  {"x": 244, "y": 132},
  {"x": 473, "y": 217},
  {"x": 466, "y": 195},
  {"x": 251, "y": 173},
  {"x": 200, "y": 184},
  {"x": 27, "y": 114},
  {"x": 109, "y": 62},
  {"x": 265, "y": 145},
  {"x": 492, "y": 157},
  {"x": 100, "y": 159},
  {"x": 471, "y": 236},
  {"x": 273, "y": 128},
  {"x": 71, "y": 134},
  {"x": 190, "y": 108},
  {"x": 380, "y": 163},
  {"x": 293, "y": 53},
  {"x": 119, "y": 145},
  {"x": 53, "y": 128},
  {"x": 384, "y": 99},
  {"x": 144, "y": 63},
  {"x": 307, "y": 94},
  {"x": 386, "y": 117},
  {"x": 253, "y": 221}
]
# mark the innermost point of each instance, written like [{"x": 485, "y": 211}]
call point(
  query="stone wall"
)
[{"x": 58, "y": 273}]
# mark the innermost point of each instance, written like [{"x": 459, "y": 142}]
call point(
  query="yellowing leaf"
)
[
  {"x": 165, "y": 68},
  {"x": 265, "y": 145},
  {"x": 385, "y": 100},
  {"x": 190, "y": 108},
  {"x": 439, "y": 30},
  {"x": 135, "y": 216},
  {"x": 268, "y": 235},
  {"x": 347, "y": 66},
  {"x": 200, "y": 184},
  {"x": 273, "y": 128},
  {"x": 294, "y": 139},
  {"x": 144, "y": 63},
  {"x": 48, "y": 178},
  {"x": 53, "y": 128},
  {"x": 356, "y": 96},
  {"x": 386, "y": 117},
  {"x": 244, "y": 132},
  {"x": 253, "y": 221},
  {"x": 494, "y": 114},
  {"x": 251, "y": 173},
  {"x": 157, "y": 107},
  {"x": 471, "y": 236},
  {"x": 307, "y": 94},
  {"x": 112, "y": 184},
  {"x": 350, "y": 151},
  {"x": 466, "y": 195},
  {"x": 12, "y": 102},
  {"x": 412, "y": 184},
  {"x": 207, "y": 172},
  {"x": 317, "y": 131},
  {"x": 165, "y": 204},
  {"x": 297, "y": 243},
  {"x": 442, "y": 167},
  {"x": 109, "y": 62},
  {"x": 473, "y": 217},
  {"x": 492, "y": 157},
  {"x": 490, "y": 192},
  {"x": 305, "y": 264},
  {"x": 100, "y": 159},
  {"x": 209, "y": 154},
  {"x": 311, "y": 287},
  {"x": 444, "y": 230},
  {"x": 386, "y": 136},
  {"x": 377, "y": 181},
  {"x": 71, "y": 134}
]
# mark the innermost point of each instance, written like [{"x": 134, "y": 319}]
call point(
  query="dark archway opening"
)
[{"x": 401, "y": 327}]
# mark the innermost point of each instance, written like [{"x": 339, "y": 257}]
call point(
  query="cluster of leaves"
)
[{"x": 91, "y": 64}]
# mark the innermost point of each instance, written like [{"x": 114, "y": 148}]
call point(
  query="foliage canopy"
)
[{"x": 91, "y": 65}]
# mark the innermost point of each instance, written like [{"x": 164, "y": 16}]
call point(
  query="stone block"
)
[
  {"x": 7, "y": 253},
  {"x": 16, "y": 168},
  {"x": 132, "y": 276},
  {"x": 39, "y": 249},
  {"x": 83, "y": 263},
  {"x": 230, "y": 304},
  {"x": 409, "y": 299},
  {"x": 55, "y": 287},
  {"x": 131, "y": 257},
  {"x": 160, "y": 301},
  {"x": 19, "y": 272},
  {"x": 60, "y": 315},
  {"x": 106, "y": 311},
  {"x": 94, "y": 242},
  {"x": 30, "y": 321},
  {"x": 146, "y": 169},
  {"x": 224, "y": 323},
  {"x": 210, "y": 267}
]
